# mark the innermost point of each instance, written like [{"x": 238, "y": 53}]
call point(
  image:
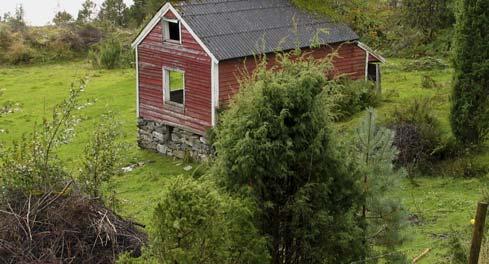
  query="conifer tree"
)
[
  {"x": 85, "y": 15},
  {"x": 114, "y": 12},
  {"x": 276, "y": 144},
  {"x": 383, "y": 215},
  {"x": 470, "y": 108}
]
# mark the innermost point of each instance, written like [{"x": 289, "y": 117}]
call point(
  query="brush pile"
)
[{"x": 65, "y": 227}]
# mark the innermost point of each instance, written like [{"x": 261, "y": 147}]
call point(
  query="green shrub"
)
[
  {"x": 276, "y": 145},
  {"x": 417, "y": 133},
  {"x": 110, "y": 54},
  {"x": 351, "y": 96},
  {"x": 102, "y": 157},
  {"x": 465, "y": 167},
  {"x": 19, "y": 53},
  {"x": 106, "y": 54},
  {"x": 5, "y": 36},
  {"x": 195, "y": 223}
]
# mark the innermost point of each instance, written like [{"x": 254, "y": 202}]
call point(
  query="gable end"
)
[{"x": 157, "y": 18}]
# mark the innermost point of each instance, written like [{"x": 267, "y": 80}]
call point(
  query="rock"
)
[
  {"x": 175, "y": 137},
  {"x": 163, "y": 149},
  {"x": 159, "y": 136},
  {"x": 187, "y": 168}
]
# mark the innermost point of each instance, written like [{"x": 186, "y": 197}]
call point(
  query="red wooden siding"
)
[
  {"x": 154, "y": 55},
  {"x": 351, "y": 61},
  {"x": 372, "y": 58}
]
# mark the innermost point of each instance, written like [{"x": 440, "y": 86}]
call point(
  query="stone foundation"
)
[{"x": 172, "y": 141}]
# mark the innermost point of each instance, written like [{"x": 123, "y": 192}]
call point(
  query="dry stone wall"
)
[{"x": 172, "y": 141}]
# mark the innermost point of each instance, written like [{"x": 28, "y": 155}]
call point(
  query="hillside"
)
[{"x": 438, "y": 206}]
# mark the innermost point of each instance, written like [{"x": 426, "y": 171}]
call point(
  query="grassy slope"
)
[{"x": 441, "y": 204}]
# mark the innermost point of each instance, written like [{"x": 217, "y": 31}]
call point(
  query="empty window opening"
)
[
  {"x": 174, "y": 86},
  {"x": 171, "y": 30},
  {"x": 373, "y": 73}
]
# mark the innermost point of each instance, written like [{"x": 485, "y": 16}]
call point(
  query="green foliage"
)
[
  {"x": 418, "y": 133},
  {"x": 276, "y": 144},
  {"x": 107, "y": 54},
  {"x": 350, "y": 97},
  {"x": 31, "y": 165},
  {"x": 102, "y": 156},
  {"x": 16, "y": 21},
  {"x": 114, "y": 13},
  {"x": 62, "y": 18},
  {"x": 194, "y": 223},
  {"x": 363, "y": 16},
  {"x": 19, "y": 53},
  {"x": 384, "y": 215},
  {"x": 428, "y": 15},
  {"x": 470, "y": 107},
  {"x": 86, "y": 14}
]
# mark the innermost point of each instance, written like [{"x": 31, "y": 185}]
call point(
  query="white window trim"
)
[
  {"x": 166, "y": 30},
  {"x": 166, "y": 85}
]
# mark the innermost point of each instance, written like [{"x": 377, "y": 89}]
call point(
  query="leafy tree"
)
[
  {"x": 85, "y": 15},
  {"x": 276, "y": 144},
  {"x": 16, "y": 21},
  {"x": 364, "y": 16},
  {"x": 375, "y": 152},
  {"x": 194, "y": 223},
  {"x": 114, "y": 12},
  {"x": 62, "y": 18},
  {"x": 470, "y": 108},
  {"x": 428, "y": 15},
  {"x": 137, "y": 12}
]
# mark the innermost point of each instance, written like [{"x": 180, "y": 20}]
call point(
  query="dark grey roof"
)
[{"x": 238, "y": 28}]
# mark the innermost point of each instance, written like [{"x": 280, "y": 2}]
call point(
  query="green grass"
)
[
  {"x": 39, "y": 88},
  {"x": 176, "y": 80},
  {"x": 442, "y": 205}
]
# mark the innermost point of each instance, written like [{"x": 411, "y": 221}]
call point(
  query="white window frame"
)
[
  {"x": 166, "y": 30},
  {"x": 166, "y": 86}
]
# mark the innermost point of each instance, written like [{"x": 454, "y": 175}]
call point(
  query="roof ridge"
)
[{"x": 266, "y": 29}]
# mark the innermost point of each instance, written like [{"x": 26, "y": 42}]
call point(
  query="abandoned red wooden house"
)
[{"x": 190, "y": 54}]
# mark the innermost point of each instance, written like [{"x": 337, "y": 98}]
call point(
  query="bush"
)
[
  {"x": 89, "y": 36},
  {"x": 19, "y": 53},
  {"x": 465, "y": 167},
  {"x": 350, "y": 97},
  {"x": 106, "y": 54},
  {"x": 102, "y": 157},
  {"x": 194, "y": 223},
  {"x": 5, "y": 36},
  {"x": 417, "y": 133},
  {"x": 276, "y": 145}
]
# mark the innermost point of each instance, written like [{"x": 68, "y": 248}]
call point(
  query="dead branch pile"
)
[{"x": 60, "y": 228}]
